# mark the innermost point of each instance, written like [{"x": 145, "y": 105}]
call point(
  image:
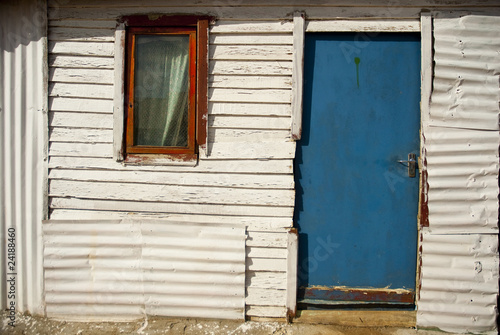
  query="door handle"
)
[{"x": 411, "y": 163}]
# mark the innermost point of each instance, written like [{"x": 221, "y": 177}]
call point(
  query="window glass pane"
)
[{"x": 161, "y": 90}]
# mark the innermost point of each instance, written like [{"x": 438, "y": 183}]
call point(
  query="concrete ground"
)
[{"x": 27, "y": 325}]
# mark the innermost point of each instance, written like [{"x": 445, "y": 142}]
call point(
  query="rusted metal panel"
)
[
  {"x": 125, "y": 269},
  {"x": 341, "y": 295},
  {"x": 459, "y": 282},
  {"x": 23, "y": 170}
]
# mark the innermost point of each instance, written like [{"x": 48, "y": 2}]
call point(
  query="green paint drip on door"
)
[{"x": 357, "y": 61}]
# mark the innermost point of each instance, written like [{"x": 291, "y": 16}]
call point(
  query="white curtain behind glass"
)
[{"x": 161, "y": 93}]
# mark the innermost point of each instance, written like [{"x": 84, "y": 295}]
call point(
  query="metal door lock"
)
[{"x": 411, "y": 163}]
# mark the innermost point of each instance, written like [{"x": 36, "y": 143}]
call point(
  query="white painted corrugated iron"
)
[
  {"x": 23, "y": 133},
  {"x": 459, "y": 282},
  {"x": 462, "y": 168},
  {"x": 466, "y": 73},
  {"x": 460, "y": 264},
  {"x": 125, "y": 269}
]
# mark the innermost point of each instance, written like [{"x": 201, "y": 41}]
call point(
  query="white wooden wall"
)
[{"x": 248, "y": 175}]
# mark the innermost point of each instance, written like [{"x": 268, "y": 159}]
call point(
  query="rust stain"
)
[{"x": 341, "y": 293}]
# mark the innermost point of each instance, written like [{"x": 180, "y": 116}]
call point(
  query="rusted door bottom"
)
[{"x": 353, "y": 296}]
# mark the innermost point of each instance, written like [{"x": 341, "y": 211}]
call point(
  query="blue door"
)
[{"x": 357, "y": 202}]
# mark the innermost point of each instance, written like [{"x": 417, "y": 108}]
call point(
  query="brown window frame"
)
[{"x": 197, "y": 28}]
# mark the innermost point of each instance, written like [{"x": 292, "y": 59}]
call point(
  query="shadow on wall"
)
[{"x": 31, "y": 27}]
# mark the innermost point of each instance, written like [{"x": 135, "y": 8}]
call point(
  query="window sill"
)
[{"x": 155, "y": 159}]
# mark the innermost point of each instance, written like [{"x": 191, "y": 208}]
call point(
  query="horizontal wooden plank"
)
[
  {"x": 279, "y": 12},
  {"x": 268, "y": 280},
  {"x": 251, "y": 166},
  {"x": 58, "y": 134},
  {"x": 358, "y": 318},
  {"x": 107, "y": 24},
  {"x": 249, "y": 95},
  {"x": 246, "y": 82},
  {"x": 185, "y": 178},
  {"x": 81, "y": 120},
  {"x": 248, "y": 39},
  {"x": 259, "y": 223},
  {"x": 91, "y": 91},
  {"x": 262, "y": 68},
  {"x": 80, "y": 105},
  {"x": 253, "y": 223},
  {"x": 228, "y": 108},
  {"x": 269, "y": 150},
  {"x": 95, "y": 76},
  {"x": 156, "y": 208},
  {"x": 81, "y": 34},
  {"x": 265, "y": 297},
  {"x": 81, "y": 61},
  {"x": 364, "y": 25},
  {"x": 250, "y": 27},
  {"x": 266, "y": 311},
  {"x": 81, "y": 48},
  {"x": 247, "y": 135},
  {"x": 251, "y": 52},
  {"x": 80, "y": 149},
  {"x": 267, "y": 4},
  {"x": 173, "y": 193},
  {"x": 250, "y": 122},
  {"x": 268, "y": 240},
  {"x": 258, "y": 252},
  {"x": 266, "y": 264}
]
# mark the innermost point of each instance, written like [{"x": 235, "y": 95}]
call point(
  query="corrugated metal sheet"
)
[
  {"x": 459, "y": 279},
  {"x": 459, "y": 283},
  {"x": 467, "y": 66},
  {"x": 23, "y": 132},
  {"x": 462, "y": 168},
  {"x": 125, "y": 269}
]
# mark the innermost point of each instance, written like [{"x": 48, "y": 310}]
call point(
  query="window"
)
[{"x": 166, "y": 86}]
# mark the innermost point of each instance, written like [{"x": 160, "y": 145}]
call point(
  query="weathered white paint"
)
[
  {"x": 291, "y": 273},
  {"x": 185, "y": 178},
  {"x": 100, "y": 266},
  {"x": 251, "y": 52},
  {"x": 81, "y": 120},
  {"x": 297, "y": 73},
  {"x": 250, "y": 122},
  {"x": 459, "y": 282},
  {"x": 250, "y": 27},
  {"x": 81, "y": 61},
  {"x": 119, "y": 93},
  {"x": 364, "y": 25},
  {"x": 170, "y": 193},
  {"x": 263, "y": 68},
  {"x": 84, "y": 49},
  {"x": 23, "y": 152},
  {"x": 251, "y": 68},
  {"x": 108, "y": 206},
  {"x": 58, "y": 134},
  {"x": 459, "y": 250},
  {"x": 81, "y": 34},
  {"x": 261, "y": 109},
  {"x": 57, "y": 104},
  {"x": 466, "y": 90},
  {"x": 70, "y": 90},
  {"x": 260, "y": 82},
  {"x": 99, "y": 76}
]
